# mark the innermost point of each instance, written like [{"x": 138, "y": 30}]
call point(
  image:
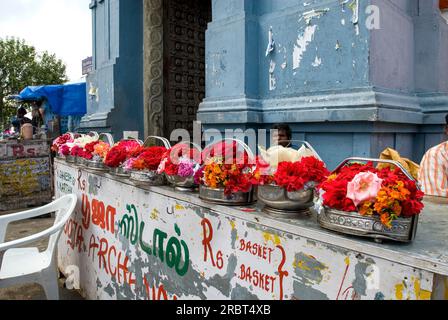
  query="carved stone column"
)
[{"x": 153, "y": 67}]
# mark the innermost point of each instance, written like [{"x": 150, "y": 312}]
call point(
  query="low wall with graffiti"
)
[
  {"x": 25, "y": 176},
  {"x": 129, "y": 242}
]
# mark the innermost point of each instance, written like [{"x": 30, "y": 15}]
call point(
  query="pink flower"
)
[
  {"x": 129, "y": 163},
  {"x": 186, "y": 168},
  {"x": 363, "y": 187}
]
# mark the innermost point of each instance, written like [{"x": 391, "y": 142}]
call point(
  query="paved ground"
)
[{"x": 32, "y": 291}]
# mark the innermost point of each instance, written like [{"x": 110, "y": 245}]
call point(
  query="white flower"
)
[
  {"x": 277, "y": 154},
  {"x": 83, "y": 140}
]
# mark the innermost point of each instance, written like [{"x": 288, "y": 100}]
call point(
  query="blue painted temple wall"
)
[
  {"x": 350, "y": 80},
  {"x": 349, "y": 89},
  {"x": 117, "y": 78}
]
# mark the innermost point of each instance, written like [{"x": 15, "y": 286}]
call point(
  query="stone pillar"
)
[
  {"x": 153, "y": 67},
  {"x": 232, "y": 65},
  {"x": 114, "y": 88}
]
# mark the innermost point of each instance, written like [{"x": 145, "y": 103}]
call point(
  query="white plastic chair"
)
[{"x": 28, "y": 265}]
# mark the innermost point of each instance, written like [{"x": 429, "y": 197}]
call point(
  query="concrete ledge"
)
[
  {"x": 363, "y": 104},
  {"x": 427, "y": 252}
]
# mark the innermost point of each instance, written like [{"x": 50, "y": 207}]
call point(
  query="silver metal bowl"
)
[
  {"x": 97, "y": 165},
  {"x": 71, "y": 159},
  {"x": 278, "y": 201},
  {"x": 81, "y": 161},
  {"x": 217, "y": 196},
  {"x": 403, "y": 229},
  {"x": 151, "y": 178},
  {"x": 119, "y": 171},
  {"x": 181, "y": 183}
]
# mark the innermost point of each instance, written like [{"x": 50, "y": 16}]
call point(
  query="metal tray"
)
[
  {"x": 353, "y": 223},
  {"x": 403, "y": 229}
]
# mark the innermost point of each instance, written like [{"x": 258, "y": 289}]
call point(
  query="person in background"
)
[
  {"x": 282, "y": 135},
  {"x": 433, "y": 173},
  {"x": 37, "y": 119},
  {"x": 17, "y": 121}
]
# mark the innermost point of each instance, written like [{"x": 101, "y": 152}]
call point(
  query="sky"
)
[{"x": 62, "y": 27}]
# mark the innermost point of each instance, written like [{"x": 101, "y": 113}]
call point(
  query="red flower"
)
[
  {"x": 231, "y": 151},
  {"x": 171, "y": 169},
  {"x": 115, "y": 157},
  {"x": 76, "y": 151},
  {"x": 294, "y": 176},
  {"x": 89, "y": 147},
  {"x": 335, "y": 196},
  {"x": 151, "y": 157}
]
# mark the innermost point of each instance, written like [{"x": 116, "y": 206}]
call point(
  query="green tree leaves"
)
[{"x": 21, "y": 66}]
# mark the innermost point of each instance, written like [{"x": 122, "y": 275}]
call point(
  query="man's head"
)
[
  {"x": 282, "y": 134},
  {"x": 21, "y": 112}
]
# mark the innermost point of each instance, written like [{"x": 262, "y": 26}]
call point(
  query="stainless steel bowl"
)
[
  {"x": 70, "y": 159},
  {"x": 120, "y": 172},
  {"x": 181, "y": 183},
  {"x": 97, "y": 165},
  {"x": 151, "y": 178},
  {"x": 403, "y": 229},
  {"x": 81, "y": 161},
  {"x": 279, "y": 201},
  {"x": 217, "y": 196}
]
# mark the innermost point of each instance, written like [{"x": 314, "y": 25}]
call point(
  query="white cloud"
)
[{"x": 63, "y": 27}]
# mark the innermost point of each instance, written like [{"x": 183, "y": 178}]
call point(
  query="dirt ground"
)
[{"x": 21, "y": 229}]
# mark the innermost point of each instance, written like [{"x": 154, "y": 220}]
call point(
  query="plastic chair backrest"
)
[{"x": 64, "y": 208}]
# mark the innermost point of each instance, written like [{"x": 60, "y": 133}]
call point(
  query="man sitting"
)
[
  {"x": 282, "y": 135},
  {"x": 433, "y": 174}
]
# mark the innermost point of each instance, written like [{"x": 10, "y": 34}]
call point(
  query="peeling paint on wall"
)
[
  {"x": 308, "y": 16},
  {"x": 317, "y": 62},
  {"x": 272, "y": 80},
  {"x": 301, "y": 45}
]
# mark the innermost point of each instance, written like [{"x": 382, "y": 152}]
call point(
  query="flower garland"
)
[{"x": 361, "y": 188}]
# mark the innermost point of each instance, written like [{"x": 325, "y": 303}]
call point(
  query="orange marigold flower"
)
[
  {"x": 386, "y": 220},
  {"x": 366, "y": 209}
]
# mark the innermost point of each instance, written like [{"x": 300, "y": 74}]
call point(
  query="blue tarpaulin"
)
[{"x": 64, "y": 100}]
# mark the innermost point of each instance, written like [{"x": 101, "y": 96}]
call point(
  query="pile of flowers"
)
[
  {"x": 180, "y": 160},
  {"x": 226, "y": 167},
  {"x": 120, "y": 152},
  {"x": 82, "y": 146},
  {"x": 100, "y": 150},
  {"x": 60, "y": 146},
  {"x": 145, "y": 158},
  {"x": 295, "y": 171},
  {"x": 387, "y": 193}
]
